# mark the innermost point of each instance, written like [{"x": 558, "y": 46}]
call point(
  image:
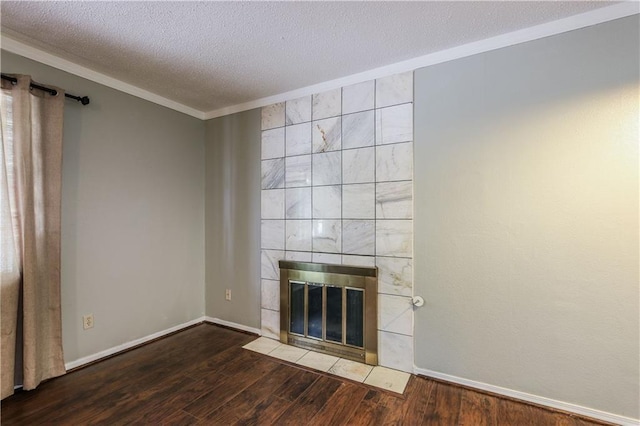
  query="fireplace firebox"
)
[{"x": 330, "y": 309}]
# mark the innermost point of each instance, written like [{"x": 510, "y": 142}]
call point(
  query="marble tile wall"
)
[{"x": 337, "y": 187}]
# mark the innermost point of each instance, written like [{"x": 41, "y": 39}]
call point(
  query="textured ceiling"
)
[{"x": 210, "y": 55}]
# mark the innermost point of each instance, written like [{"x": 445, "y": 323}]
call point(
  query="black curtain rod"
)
[{"x": 84, "y": 100}]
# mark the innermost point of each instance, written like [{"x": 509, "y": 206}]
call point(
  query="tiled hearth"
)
[
  {"x": 337, "y": 187},
  {"x": 381, "y": 377}
]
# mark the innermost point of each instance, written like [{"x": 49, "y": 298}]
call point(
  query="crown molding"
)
[
  {"x": 587, "y": 19},
  {"x": 19, "y": 48},
  {"x": 594, "y": 17}
]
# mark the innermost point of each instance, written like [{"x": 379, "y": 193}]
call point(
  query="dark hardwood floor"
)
[{"x": 203, "y": 376}]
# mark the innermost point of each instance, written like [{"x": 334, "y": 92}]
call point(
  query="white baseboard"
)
[
  {"x": 560, "y": 405},
  {"x": 234, "y": 325},
  {"x": 124, "y": 346}
]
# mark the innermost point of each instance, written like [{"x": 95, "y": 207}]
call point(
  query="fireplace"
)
[{"x": 330, "y": 309}]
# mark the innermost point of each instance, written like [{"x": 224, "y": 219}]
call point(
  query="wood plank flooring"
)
[{"x": 203, "y": 376}]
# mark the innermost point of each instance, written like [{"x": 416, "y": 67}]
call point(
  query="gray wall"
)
[
  {"x": 526, "y": 202},
  {"x": 132, "y": 214},
  {"x": 233, "y": 217},
  {"x": 526, "y": 216}
]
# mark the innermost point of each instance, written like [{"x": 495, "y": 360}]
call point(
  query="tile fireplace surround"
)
[{"x": 337, "y": 188}]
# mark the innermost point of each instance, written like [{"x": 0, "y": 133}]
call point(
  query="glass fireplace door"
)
[{"x": 327, "y": 312}]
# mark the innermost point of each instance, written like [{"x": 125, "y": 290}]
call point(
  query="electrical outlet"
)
[
  {"x": 87, "y": 321},
  {"x": 227, "y": 294}
]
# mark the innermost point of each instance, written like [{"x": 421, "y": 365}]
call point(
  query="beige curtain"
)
[{"x": 31, "y": 157}]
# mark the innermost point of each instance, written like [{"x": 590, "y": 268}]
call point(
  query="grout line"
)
[
  {"x": 341, "y": 182},
  {"x": 388, "y": 144},
  {"x": 375, "y": 174},
  {"x": 368, "y": 374},
  {"x": 311, "y": 207}
]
